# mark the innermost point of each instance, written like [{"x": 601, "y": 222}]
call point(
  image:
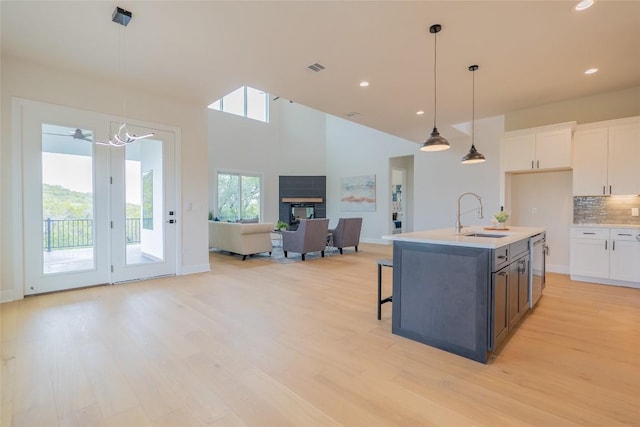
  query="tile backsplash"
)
[{"x": 605, "y": 210}]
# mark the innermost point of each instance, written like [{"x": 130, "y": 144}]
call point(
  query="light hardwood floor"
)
[{"x": 257, "y": 343}]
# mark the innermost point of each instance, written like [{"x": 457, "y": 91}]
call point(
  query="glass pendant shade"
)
[{"x": 435, "y": 142}]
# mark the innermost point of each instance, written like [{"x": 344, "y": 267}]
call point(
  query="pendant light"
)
[
  {"x": 122, "y": 137},
  {"x": 473, "y": 156},
  {"x": 435, "y": 141}
]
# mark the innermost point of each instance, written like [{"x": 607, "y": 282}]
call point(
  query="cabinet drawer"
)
[
  {"x": 501, "y": 257},
  {"x": 589, "y": 233},
  {"x": 518, "y": 248},
  {"x": 630, "y": 234}
]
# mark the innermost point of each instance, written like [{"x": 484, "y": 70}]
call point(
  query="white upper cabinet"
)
[
  {"x": 590, "y": 162},
  {"x": 537, "y": 149},
  {"x": 605, "y": 158},
  {"x": 520, "y": 151},
  {"x": 624, "y": 155}
]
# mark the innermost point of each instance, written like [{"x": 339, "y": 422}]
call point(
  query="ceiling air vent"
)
[
  {"x": 316, "y": 67},
  {"x": 353, "y": 115}
]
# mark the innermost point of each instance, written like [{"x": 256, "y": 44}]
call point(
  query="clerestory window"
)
[{"x": 246, "y": 102}]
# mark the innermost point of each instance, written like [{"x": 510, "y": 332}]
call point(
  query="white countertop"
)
[
  {"x": 448, "y": 236},
  {"x": 607, "y": 225}
]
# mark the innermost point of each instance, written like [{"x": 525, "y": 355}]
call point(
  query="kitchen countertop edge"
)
[
  {"x": 591, "y": 225},
  {"x": 448, "y": 236}
]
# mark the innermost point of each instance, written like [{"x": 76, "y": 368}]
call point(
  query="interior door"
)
[
  {"x": 143, "y": 213},
  {"x": 65, "y": 211}
]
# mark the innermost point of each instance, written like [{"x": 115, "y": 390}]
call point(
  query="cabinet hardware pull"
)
[
  {"x": 624, "y": 234},
  {"x": 614, "y": 245},
  {"x": 531, "y": 164},
  {"x": 538, "y": 164},
  {"x": 585, "y": 232},
  {"x": 605, "y": 245},
  {"x": 604, "y": 189},
  {"x": 502, "y": 257},
  {"x": 610, "y": 192}
]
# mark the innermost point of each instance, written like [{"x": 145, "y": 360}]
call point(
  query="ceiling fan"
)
[{"x": 77, "y": 134}]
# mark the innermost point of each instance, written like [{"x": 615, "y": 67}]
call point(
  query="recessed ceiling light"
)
[
  {"x": 591, "y": 71},
  {"x": 583, "y": 5},
  {"x": 420, "y": 112},
  {"x": 364, "y": 84}
]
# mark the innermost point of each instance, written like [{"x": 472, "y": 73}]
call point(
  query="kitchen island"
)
[{"x": 461, "y": 292}]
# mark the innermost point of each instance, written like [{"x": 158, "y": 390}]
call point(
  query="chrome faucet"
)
[{"x": 458, "y": 223}]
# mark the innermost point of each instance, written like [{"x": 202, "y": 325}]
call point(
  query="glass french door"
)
[
  {"x": 92, "y": 213},
  {"x": 143, "y": 208}
]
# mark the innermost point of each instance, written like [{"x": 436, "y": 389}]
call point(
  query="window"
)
[
  {"x": 246, "y": 102},
  {"x": 239, "y": 196}
]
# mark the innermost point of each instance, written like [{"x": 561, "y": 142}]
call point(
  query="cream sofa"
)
[{"x": 241, "y": 239}]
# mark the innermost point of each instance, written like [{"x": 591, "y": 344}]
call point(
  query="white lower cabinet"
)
[
  {"x": 605, "y": 255},
  {"x": 625, "y": 255}
]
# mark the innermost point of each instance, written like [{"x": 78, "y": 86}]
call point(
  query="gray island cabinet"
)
[{"x": 460, "y": 292}]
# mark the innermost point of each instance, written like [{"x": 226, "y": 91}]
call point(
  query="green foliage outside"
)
[
  {"x": 61, "y": 203},
  {"x": 238, "y": 197}
]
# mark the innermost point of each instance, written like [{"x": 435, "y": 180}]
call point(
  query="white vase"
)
[{"x": 500, "y": 225}]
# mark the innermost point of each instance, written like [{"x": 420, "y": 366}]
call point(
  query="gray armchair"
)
[
  {"x": 311, "y": 236},
  {"x": 347, "y": 233}
]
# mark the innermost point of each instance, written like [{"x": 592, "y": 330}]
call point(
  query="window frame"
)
[
  {"x": 245, "y": 103},
  {"x": 240, "y": 175}
]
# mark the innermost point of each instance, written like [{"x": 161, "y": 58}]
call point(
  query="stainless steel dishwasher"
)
[{"x": 538, "y": 249}]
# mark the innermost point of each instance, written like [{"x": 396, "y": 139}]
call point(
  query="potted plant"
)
[
  {"x": 281, "y": 225},
  {"x": 501, "y": 218}
]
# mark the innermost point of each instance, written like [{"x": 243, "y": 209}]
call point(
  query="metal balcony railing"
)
[{"x": 78, "y": 233}]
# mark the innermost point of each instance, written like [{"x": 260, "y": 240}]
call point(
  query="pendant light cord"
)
[
  {"x": 473, "y": 108},
  {"x": 435, "y": 78},
  {"x": 123, "y": 95}
]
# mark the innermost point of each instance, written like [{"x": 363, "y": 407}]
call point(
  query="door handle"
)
[{"x": 171, "y": 221}]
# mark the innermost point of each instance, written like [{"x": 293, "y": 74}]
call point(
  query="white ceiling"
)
[{"x": 530, "y": 52}]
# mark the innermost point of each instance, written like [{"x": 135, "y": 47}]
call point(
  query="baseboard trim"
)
[
  {"x": 601, "y": 281},
  {"x": 557, "y": 268},
  {"x": 193, "y": 269},
  {"x": 376, "y": 241}
]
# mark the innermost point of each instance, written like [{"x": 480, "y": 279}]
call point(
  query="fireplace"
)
[
  {"x": 301, "y": 211},
  {"x": 302, "y": 197}
]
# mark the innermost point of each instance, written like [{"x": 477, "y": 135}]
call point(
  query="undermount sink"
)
[{"x": 492, "y": 235}]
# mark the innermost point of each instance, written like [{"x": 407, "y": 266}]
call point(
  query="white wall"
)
[
  {"x": 292, "y": 143},
  {"x": 588, "y": 109},
  {"x": 544, "y": 199},
  {"x": 356, "y": 150},
  {"x": 302, "y": 141},
  {"x": 57, "y": 86},
  {"x": 438, "y": 178}
]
